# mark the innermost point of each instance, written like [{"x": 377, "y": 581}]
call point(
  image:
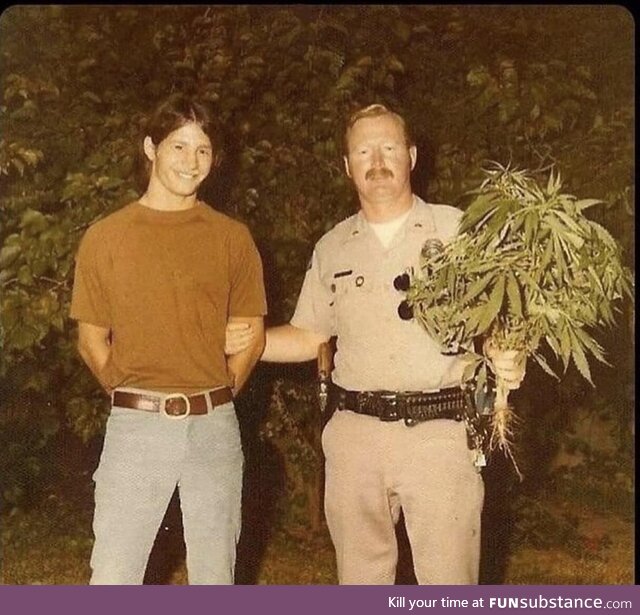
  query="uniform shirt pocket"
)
[{"x": 354, "y": 300}]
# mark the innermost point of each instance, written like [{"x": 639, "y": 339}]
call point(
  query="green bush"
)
[{"x": 528, "y": 85}]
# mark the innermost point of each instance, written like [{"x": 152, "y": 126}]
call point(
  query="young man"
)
[
  {"x": 155, "y": 285},
  {"x": 384, "y": 452}
]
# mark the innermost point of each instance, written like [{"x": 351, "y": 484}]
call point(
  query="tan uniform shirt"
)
[
  {"x": 348, "y": 291},
  {"x": 165, "y": 284}
]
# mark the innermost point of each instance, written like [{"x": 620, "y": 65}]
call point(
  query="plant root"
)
[{"x": 503, "y": 422}]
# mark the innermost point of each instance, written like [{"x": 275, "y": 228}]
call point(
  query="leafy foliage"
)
[
  {"x": 475, "y": 83},
  {"x": 294, "y": 430},
  {"x": 527, "y": 266}
]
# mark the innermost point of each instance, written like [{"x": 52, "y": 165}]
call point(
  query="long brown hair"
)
[{"x": 170, "y": 115}]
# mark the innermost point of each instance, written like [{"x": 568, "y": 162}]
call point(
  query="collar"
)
[
  {"x": 171, "y": 217},
  {"x": 420, "y": 219}
]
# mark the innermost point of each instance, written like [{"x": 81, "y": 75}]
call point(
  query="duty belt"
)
[{"x": 412, "y": 407}]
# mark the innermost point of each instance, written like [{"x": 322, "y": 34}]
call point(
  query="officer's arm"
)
[
  {"x": 241, "y": 363},
  {"x": 94, "y": 346},
  {"x": 289, "y": 344}
]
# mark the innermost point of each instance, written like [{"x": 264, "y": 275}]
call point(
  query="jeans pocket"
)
[{"x": 216, "y": 436}]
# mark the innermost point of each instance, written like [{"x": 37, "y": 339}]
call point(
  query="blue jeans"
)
[{"x": 145, "y": 456}]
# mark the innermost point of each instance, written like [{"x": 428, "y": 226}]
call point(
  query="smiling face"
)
[
  {"x": 379, "y": 161},
  {"x": 179, "y": 164}
]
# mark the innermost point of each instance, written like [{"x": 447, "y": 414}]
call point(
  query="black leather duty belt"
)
[{"x": 412, "y": 407}]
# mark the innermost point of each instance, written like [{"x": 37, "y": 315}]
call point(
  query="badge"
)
[{"x": 432, "y": 247}]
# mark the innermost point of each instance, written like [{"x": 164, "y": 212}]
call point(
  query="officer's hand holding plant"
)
[{"x": 527, "y": 272}]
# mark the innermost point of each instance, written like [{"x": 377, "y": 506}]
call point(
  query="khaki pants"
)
[{"x": 373, "y": 470}]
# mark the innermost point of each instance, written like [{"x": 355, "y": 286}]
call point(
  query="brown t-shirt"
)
[{"x": 165, "y": 284}]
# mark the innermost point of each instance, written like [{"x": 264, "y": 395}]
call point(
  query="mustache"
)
[{"x": 381, "y": 173}]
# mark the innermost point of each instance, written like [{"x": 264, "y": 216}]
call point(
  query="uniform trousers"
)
[
  {"x": 375, "y": 469},
  {"x": 145, "y": 456}
]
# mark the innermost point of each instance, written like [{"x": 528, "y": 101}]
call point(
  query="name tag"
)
[{"x": 341, "y": 274}]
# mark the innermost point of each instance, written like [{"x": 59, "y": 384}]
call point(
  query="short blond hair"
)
[{"x": 375, "y": 110}]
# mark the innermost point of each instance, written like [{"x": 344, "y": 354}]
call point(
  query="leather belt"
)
[
  {"x": 173, "y": 405},
  {"x": 412, "y": 407}
]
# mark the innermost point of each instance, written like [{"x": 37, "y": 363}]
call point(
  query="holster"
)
[
  {"x": 478, "y": 416},
  {"x": 325, "y": 367}
]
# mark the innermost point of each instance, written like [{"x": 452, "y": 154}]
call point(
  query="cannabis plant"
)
[{"x": 528, "y": 271}]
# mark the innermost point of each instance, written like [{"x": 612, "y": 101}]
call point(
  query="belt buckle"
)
[
  {"x": 389, "y": 407},
  {"x": 176, "y": 417}
]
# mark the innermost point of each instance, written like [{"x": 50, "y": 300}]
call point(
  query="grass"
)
[
  {"x": 47, "y": 545},
  {"x": 602, "y": 555},
  {"x": 50, "y": 543}
]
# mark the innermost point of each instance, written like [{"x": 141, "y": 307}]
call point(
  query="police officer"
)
[{"x": 396, "y": 441}]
